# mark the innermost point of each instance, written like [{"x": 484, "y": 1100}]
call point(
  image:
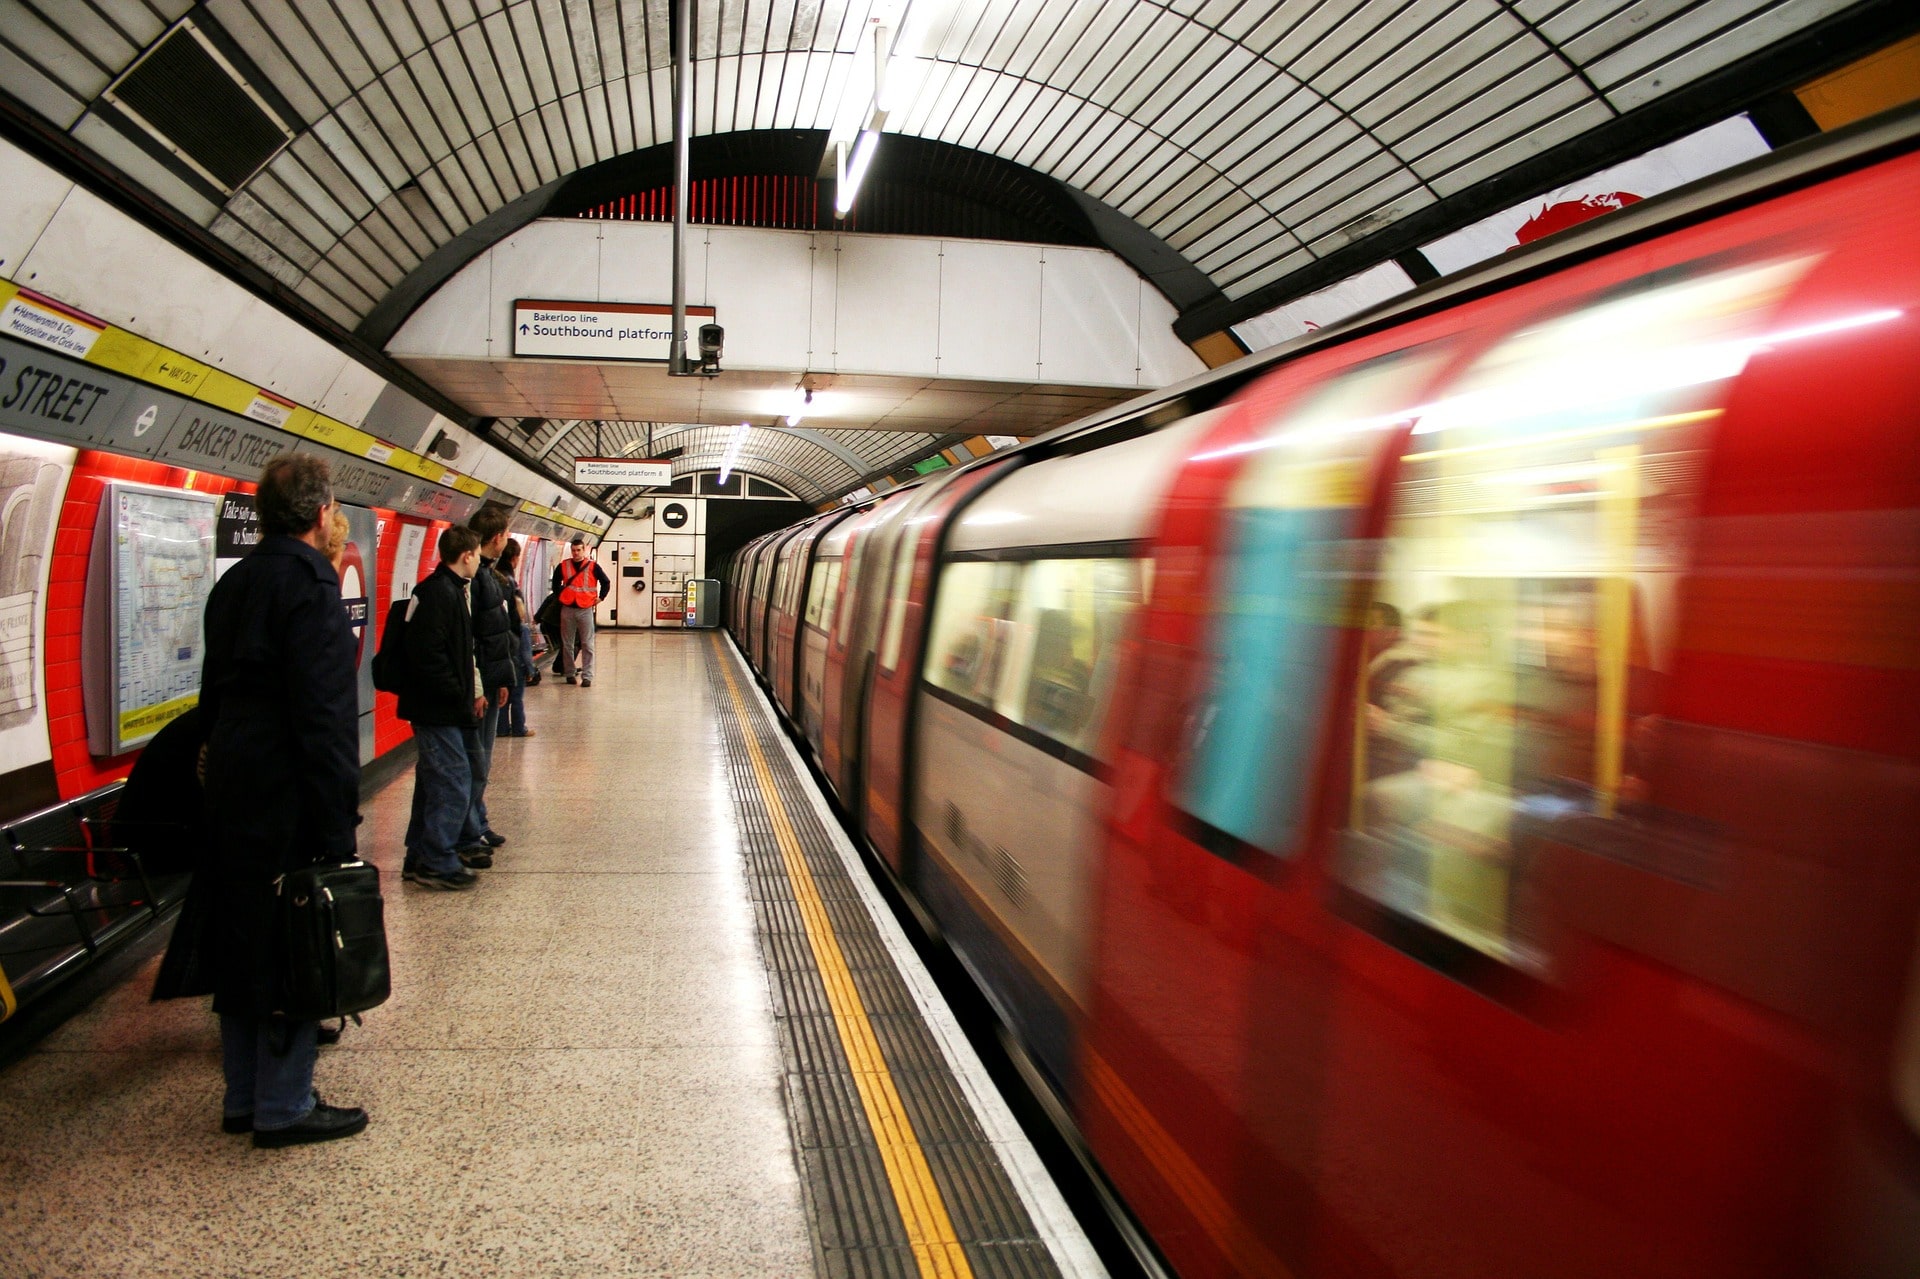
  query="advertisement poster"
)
[
  {"x": 413, "y": 540},
  {"x": 33, "y": 481},
  {"x": 235, "y": 533},
  {"x": 358, "y": 590}
]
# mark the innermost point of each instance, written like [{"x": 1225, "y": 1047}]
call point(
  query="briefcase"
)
[{"x": 333, "y": 927}]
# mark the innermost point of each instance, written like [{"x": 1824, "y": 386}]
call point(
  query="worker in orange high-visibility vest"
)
[{"x": 580, "y": 584}]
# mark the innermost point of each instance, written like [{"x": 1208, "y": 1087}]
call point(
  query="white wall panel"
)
[
  {"x": 1090, "y": 317},
  {"x": 1164, "y": 358},
  {"x": 30, "y": 194},
  {"x": 541, "y": 260},
  {"x": 794, "y": 300},
  {"x": 760, "y": 284},
  {"x": 888, "y": 316},
  {"x": 636, "y": 261},
  {"x": 823, "y": 302},
  {"x": 355, "y": 388},
  {"x": 990, "y": 308}
]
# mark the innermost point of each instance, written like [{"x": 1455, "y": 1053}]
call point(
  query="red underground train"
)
[{"x": 1440, "y": 799}]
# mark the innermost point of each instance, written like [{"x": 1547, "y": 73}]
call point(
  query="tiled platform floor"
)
[{"x": 577, "y": 1074}]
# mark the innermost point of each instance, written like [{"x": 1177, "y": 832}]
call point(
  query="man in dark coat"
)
[
  {"x": 279, "y": 694},
  {"x": 493, "y": 644},
  {"x": 444, "y": 701}
]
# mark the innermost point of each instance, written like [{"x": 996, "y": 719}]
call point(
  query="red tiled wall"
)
[
  {"x": 77, "y": 769},
  {"x": 389, "y": 730}
]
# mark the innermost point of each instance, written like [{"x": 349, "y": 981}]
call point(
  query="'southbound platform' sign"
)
[
  {"x": 621, "y": 470},
  {"x": 599, "y": 330}
]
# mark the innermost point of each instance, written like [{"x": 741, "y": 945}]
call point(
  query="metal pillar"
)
[{"x": 682, "y": 130}]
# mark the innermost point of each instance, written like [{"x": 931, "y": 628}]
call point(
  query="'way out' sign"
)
[{"x": 600, "y": 330}]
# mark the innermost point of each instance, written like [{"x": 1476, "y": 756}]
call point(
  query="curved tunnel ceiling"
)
[
  {"x": 1248, "y": 143},
  {"x": 812, "y": 465}
]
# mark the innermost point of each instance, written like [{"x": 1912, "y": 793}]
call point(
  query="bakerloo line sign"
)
[{"x": 599, "y": 330}]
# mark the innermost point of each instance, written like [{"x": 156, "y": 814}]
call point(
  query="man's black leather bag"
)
[{"x": 334, "y": 928}]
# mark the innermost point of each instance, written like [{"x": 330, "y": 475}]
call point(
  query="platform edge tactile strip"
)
[{"x": 853, "y": 1213}]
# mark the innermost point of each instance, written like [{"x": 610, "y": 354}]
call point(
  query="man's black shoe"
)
[
  {"x": 572, "y": 680},
  {"x": 493, "y": 839},
  {"x": 476, "y": 857},
  {"x": 327, "y": 1035},
  {"x": 236, "y": 1123},
  {"x": 585, "y": 682},
  {"x": 323, "y": 1123},
  {"x": 454, "y": 880}
]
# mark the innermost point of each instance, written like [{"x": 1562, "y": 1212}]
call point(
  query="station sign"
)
[
  {"x": 622, "y": 470},
  {"x": 599, "y": 330}
]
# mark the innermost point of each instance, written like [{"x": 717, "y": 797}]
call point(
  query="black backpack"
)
[{"x": 390, "y": 663}]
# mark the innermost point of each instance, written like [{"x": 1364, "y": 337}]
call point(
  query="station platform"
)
[{"x": 674, "y": 1031}]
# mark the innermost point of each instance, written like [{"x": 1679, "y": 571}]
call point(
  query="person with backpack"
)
[
  {"x": 580, "y": 584},
  {"x": 493, "y": 652},
  {"x": 442, "y": 696}
]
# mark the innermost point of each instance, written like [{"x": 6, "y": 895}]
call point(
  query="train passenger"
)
[
  {"x": 1448, "y": 814},
  {"x": 279, "y": 691},
  {"x": 493, "y": 645},
  {"x": 444, "y": 700},
  {"x": 513, "y": 716},
  {"x": 580, "y": 584}
]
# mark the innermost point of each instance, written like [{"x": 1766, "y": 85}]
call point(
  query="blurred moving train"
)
[{"x": 1440, "y": 799}]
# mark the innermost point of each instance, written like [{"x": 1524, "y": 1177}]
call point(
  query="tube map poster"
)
[{"x": 162, "y": 573}]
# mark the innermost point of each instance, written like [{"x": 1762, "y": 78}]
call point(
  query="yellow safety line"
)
[{"x": 930, "y": 1231}]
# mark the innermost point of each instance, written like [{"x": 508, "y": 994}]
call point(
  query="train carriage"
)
[{"x": 1439, "y": 800}]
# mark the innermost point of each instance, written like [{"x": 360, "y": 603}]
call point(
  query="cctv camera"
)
[{"x": 712, "y": 336}]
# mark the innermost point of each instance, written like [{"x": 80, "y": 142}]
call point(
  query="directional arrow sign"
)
[{"x": 598, "y": 330}]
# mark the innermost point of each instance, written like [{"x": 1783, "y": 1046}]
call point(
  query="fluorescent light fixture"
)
[
  {"x": 799, "y": 406},
  {"x": 856, "y": 169},
  {"x": 733, "y": 452}
]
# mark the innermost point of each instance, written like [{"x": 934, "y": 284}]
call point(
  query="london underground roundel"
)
[{"x": 353, "y": 594}]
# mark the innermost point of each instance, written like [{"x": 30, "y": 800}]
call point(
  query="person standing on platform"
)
[
  {"x": 279, "y": 693},
  {"x": 493, "y": 656},
  {"x": 581, "y": 584},
  {"x": 444, "y": 701},
  {"x": 513, "y": 716}
]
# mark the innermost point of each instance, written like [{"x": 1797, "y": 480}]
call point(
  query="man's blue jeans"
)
[
  {"x": 442, "y": 795},
  {"x": 480, "y": 763},
  {"x": 512, "y": 719},
  {"x": 276, "y": 1089}
]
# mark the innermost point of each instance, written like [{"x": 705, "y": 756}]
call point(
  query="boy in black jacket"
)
[
  {"x": 493, "y": 653},
  {"x": 444, "y": 701}
]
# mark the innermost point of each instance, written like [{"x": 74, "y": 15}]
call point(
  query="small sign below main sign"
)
[
  {"x": 622, "y": 470},
  {"x": 599, "y": 330}
]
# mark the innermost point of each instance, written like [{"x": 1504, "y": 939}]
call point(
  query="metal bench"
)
[{"x": 72, "y": 886}]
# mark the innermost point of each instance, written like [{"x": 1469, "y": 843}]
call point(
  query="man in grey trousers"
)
[{"x": 581, "y": 584}]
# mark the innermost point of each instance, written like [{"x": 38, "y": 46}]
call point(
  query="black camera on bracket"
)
[{"x": 712, "y": 338}]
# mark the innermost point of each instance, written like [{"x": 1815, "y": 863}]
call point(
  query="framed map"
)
[{"x": 153, "y": 553}]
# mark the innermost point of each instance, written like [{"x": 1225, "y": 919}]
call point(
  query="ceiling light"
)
[{"x": 733, "y": 452}]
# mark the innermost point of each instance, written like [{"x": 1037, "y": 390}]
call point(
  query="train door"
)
[
  {"x": 1561, "y": 906},
  {"x": 1212, "y": 979},
  {"x": 896, "y": 666},
  {"x": 629, "y": 602},
  {"x": 850, "y": 655}
]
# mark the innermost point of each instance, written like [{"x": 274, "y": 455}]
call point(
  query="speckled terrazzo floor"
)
[{"x": 577, "y": 1074}]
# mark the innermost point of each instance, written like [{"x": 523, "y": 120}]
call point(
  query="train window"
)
[
  {"x": 1291, "y": 515},
  {"x": 1523, "y": 613},
  {"x": 822, "y": 594},
  {"x": 1069, "y": 622},
  {"x": 1034, "y": 642},
  {"x": 972, "y": 627},
  {"x": 904, "y": 552}
]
